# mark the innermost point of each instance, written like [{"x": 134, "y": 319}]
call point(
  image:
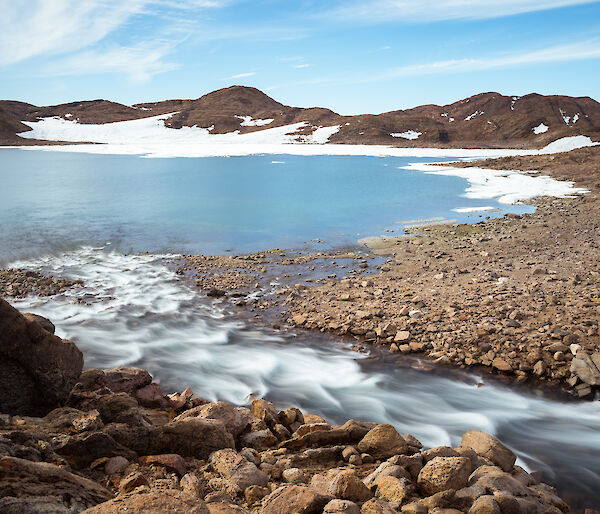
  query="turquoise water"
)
[{"x": 53, "y": 201}]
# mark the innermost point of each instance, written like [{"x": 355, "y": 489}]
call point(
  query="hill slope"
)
[{"x": 484, "y": 120}]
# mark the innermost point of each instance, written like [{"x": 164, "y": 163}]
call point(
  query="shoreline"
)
[{"x": 484, "y": 289}]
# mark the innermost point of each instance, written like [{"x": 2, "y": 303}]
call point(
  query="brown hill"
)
[{"x": 484, "y": 120}]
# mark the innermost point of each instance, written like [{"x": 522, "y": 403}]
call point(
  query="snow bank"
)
[
  {"x": 508, "y": 187},
  {"x": 247, "y": 121},
  {"x": 149, "y": 137},
  {"x": 540, "y": 129}
]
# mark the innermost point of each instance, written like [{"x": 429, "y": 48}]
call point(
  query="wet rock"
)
[
  {"x": 294, "y": 499},
  {"x": 237, "y": 470},
  {"x": 43, "y": 487},
  {"x": 489, "y": 447},
  {"x": 382, "y": 442},
  {"x": 443, "y": 473},
  {"x": 37, "y": 369},
  {"x": 153, "y": 502}
]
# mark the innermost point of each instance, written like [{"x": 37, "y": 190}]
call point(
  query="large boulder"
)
[
  {"x": 37, "y": 368},
  {"x": 489, "y": 447},
  {"x": 232, "y": 419},
  {"x": 443, "y": 473},
  {"x": 28, "y": 486},
  {"x": 382, "y": 442}
]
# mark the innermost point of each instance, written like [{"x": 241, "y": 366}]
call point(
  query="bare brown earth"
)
[
  {"x": 484, "y": 120},
  {"x": 519, "y": 296}
]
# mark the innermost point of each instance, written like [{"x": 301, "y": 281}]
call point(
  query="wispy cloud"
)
[
  {"x": 300, "y": 66},
  {"x": 243, "y": 75},
  {"x": 572, "y": 52},
  {"x": 138, "y": 63},
  {"x": 437, "y": 10},
  {"x": 29, "y": 28}
]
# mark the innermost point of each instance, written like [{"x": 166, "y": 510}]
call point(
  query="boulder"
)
[
  {"x": 37, "y": 368},
  {"x": 489, "y": 447},
  {"x": 484, "y": 505},
  {"x": 265, "y": 411},
  {"x": 170, "y": 461},
  {"x": 294, "y": 499},
  {"x": 378, "y": 506},
  {"x": 382, "y": 442},
  {"x": 347, "y": 486},
  {"x": 386, "y": 469},
  {"x": 82, "y": 449},
  {"x": 443, "y": 473},
  {"x": 393, "y": 489},
  {"x": 116, "y": 465},
  {"x": 341, "y": 507},
  {"x": 587, "y": 368},
  {"x": 152, "y": 502},
  {"x": 236, "y": 470},
  {"x": 43, "y": 487},
  {"x": 260, "y": 440},
  {"x": 222, "y": 411},
  {"x": 45, "y": 323},
  {"x": 125, "y": 379}
]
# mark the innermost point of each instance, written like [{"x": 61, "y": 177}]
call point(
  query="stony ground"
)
[
  {"x": 18, "y": 283},
  {"x": 519, "y": 295}
]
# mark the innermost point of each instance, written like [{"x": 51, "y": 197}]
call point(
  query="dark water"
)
[{"x": 55, "y": 201}]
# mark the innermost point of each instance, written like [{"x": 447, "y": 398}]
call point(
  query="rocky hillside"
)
[
  {"x": 485, "y": 120},
  {"x": 108, "y": 441}
]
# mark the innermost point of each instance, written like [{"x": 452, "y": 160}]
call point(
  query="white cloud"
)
[
  {"x": 573, "y": 52},
  {"x": 437, "y": 10},
  {"x": 138, "y": 63},
  {"x": 243, "y": 75},
  {"x": 300, "y": 66},
  {"x": 52, "y": 27}
]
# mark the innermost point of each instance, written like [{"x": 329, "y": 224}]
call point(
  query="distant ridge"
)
[{"x": 486, "y": 120}]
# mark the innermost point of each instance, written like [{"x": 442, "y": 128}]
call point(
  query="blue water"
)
[{"x": 55, "y": 201}]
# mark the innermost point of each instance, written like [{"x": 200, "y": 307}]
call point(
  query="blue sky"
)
[{"x": 348, "y": 55}]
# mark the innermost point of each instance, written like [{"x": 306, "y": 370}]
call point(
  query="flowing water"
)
[{"x": 135, "y": 310}]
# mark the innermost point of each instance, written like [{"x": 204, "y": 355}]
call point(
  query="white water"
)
[{"x": 138, "y": 312}]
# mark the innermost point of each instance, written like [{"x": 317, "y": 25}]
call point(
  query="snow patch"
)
[
  {"x": 471, "y": 116},
  {"x": 507, "y": 187},
  {"x": 513, "y": 102},
  {"x": 566, "y": 144},
  {"x": 540, "y": 129},
  {"x": 247, "y": 121},
  {"x": 68, "y": 115},
  {"x": 409, "y": 134}
]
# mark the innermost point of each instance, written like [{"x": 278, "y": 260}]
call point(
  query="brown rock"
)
[
  {"x": 37, "y": 369},
  {"x": 382, "y": 442},
  {"x": 237, "y": 470},
  {"x": 28, "y": 486},
  {"x": 131, "y": 481},
  {"x": 153, "y": 502},
  {"x": 152, "y": 397},
  {"x": 265, "y": 411},
  {"x": 341, "y": 507},
  {"x": 377, "y": 506},
  {"x": 116, "y": 465},
  {"x": 443, "y": 473},
  {"x": 393, "y": 489},
  {"x": 45, "y": 323},
  {"x": 485, "y": 505},
  {"x": 170, "y": 461},
  {"x": 294, "y": 499},
  {"x": 260, "y": 440},
  {"x": 125, "y": 380},
  {"x": 347, "y": 486},
  {"x": 489, "y": 447},
  {"x": 224, "y": 412}
]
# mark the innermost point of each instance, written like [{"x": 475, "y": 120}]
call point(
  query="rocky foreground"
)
[
  {"x": 111, "y": 441},
  {"x": 518, "y": 296}
]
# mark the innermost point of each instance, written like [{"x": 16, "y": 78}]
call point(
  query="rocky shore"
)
[
  {"x": 518, "y": 296},
  {"x": 111, "y": 441}
]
